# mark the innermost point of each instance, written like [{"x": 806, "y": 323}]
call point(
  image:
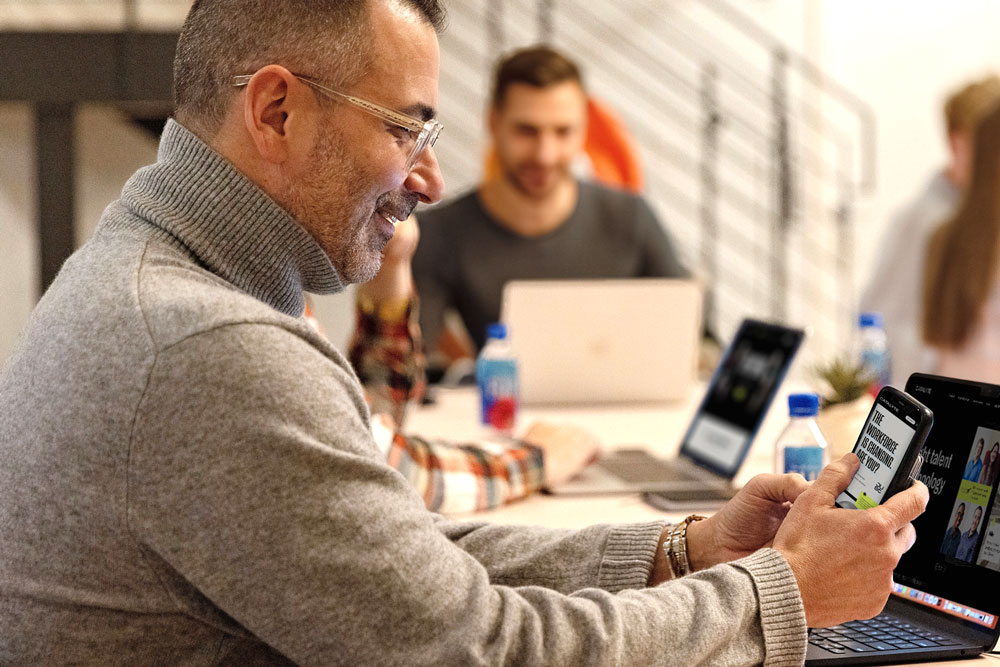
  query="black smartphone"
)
[{"x": 889, "y": 449}]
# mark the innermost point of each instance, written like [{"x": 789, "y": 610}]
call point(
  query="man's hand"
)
[
  {"x": 403, "y": 243},
  {"x": 394, "y": 280},
  {"x": 746, "y": 523},
  {"x": 567, "y": 449},
  {"x": 843, "y": 559}
]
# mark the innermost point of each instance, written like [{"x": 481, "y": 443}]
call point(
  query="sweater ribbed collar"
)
[{"x": 230, "y": 225}]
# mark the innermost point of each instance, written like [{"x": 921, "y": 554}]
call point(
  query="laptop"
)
[
  {"x": 719, "y": 436},
  {"x": 946, "y": 597},
  {"x": 602, "y": 341}
]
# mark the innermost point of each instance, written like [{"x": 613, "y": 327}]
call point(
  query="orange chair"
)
[{"x": 612, "y": 152}]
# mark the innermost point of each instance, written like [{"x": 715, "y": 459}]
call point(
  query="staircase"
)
[{"x": 753, "y": 158}]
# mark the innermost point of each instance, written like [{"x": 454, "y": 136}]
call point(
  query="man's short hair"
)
[
  {"x": 326, "y": 39},
  {"x": 967, "y": 106},
  {"x": 538, "y": 66}
]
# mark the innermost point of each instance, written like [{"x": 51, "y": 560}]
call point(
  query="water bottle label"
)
[
  {"x": 807, "y": 461},
  {"x": 498, "y": 391}
]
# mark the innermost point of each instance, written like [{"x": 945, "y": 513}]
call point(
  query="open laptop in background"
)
[
  {"x": 717, "y": 440},
  {"x": 601, "y": 341},
  {"x": 946, "y": 602}
]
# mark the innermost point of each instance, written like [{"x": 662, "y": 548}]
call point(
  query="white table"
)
[
  {"x": 659, "y": 427},
  {"x": 455, "y": 416}
]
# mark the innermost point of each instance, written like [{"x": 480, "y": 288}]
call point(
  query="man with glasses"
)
[{"x": 188, "y": 473}]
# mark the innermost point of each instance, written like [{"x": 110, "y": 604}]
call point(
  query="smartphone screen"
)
[{"x": 882, "y": 448}]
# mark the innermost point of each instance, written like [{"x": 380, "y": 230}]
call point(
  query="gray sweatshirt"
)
[{"x": 187, "y": 477}]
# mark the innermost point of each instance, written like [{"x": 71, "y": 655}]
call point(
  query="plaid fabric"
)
[
  {"x": 468, "y": 477},
  {"x": 387, "y": 356}
]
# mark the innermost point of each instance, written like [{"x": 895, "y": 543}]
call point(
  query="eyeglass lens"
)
[{"x": 426, "y": 139}]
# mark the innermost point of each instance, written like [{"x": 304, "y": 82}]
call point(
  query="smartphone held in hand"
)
[{"x": 889, "y": 449}]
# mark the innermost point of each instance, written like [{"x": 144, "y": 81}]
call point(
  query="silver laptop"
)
[
  {"x": 945, "y": 603},
  {"x": 600, "y": 341},
  {"x": 720, "y": 434}
]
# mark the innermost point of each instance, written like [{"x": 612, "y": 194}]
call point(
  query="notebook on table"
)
[
  {"x": 946, "y": 597},
  {"x": 719, "y": 436},
  {"x": 600, "y": 341}
]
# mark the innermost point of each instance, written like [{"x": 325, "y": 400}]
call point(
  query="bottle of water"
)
[
  {"x": 801, "y": 447},
  {"x": 496, "y": 376},
  {"x": 873, "y": 349}
]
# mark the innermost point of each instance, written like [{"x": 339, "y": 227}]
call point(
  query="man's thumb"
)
[{"x": 836, "y": 476}]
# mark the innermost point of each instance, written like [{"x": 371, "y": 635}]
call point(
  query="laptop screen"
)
[
  {"x": 956, "y": 556},
  {"x": 739, "y": 395}
]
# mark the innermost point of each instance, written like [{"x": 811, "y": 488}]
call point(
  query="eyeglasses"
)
[{"x": 419, "y": 134}]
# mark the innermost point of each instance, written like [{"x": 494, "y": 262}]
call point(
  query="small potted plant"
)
[{"x": 845, "y": 399}]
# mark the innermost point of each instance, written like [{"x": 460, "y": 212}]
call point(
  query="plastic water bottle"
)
[
  {"x": 873, "y": 349},
  {"x": 801, "y": 447},
  {"x": 496, "y": 376}
]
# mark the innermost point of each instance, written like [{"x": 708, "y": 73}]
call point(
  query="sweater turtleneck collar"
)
[{"x": 229, "y": 224}]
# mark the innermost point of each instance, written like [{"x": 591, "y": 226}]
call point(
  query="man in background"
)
[
  {"x": 895, "y": 288},
  {"x": 535, "y": 219},
  {"x": 953, "y": 536},
  {"x": 967, "y": 545},
  {"x": 975, "y": 465}
]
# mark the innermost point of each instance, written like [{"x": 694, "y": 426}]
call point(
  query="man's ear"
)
[{"x": 275, "y": 111}]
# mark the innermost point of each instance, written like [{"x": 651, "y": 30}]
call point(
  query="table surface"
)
[{"x": 659, "y": 427}]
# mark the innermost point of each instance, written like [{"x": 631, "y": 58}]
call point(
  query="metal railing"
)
[{"x": 753, "y": 156}]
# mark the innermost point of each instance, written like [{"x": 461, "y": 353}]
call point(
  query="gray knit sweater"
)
[{"x": 187, "y": 478}]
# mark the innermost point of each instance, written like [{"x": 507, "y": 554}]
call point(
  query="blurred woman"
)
[{"x": 961, "y": 315}]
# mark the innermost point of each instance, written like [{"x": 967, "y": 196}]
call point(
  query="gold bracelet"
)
[{"x": 676, "y": 547}]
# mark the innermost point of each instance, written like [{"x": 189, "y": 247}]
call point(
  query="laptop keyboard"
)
[
  {"x": 641, "y": 467},
  {"x": 885, "y": 632}
]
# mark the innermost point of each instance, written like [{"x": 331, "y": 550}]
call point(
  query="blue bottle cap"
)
[
  {"x": 803, "y": 405},
  {"x": 871, "y": 320},
  {"x": 497, "y": 330}
]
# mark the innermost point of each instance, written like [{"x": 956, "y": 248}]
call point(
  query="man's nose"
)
[
  {"x": 547, "y": 148},
  {"x": 425, "y": 179}
]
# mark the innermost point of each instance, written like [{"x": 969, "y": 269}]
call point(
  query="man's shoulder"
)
[
  {"x": 613, "y": 202},
  {"x": 618, "y": 212},
  {"x": 180, "y": 299},
  {"x": 610, "y": 194}
]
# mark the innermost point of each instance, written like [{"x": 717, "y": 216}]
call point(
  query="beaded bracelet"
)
[{"x": 676, "y": 547}]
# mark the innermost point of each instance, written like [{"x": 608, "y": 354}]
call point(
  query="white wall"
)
[
  {"x": 905, "y": 57},
  {"x": 18, "y": 240}
]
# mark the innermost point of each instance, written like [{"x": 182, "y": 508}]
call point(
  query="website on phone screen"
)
[{"x": 883, "y": 444}]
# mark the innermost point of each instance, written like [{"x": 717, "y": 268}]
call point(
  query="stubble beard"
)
[
  {"x": 513, "y": 177},
  {"x": 333, "y": 203}
]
